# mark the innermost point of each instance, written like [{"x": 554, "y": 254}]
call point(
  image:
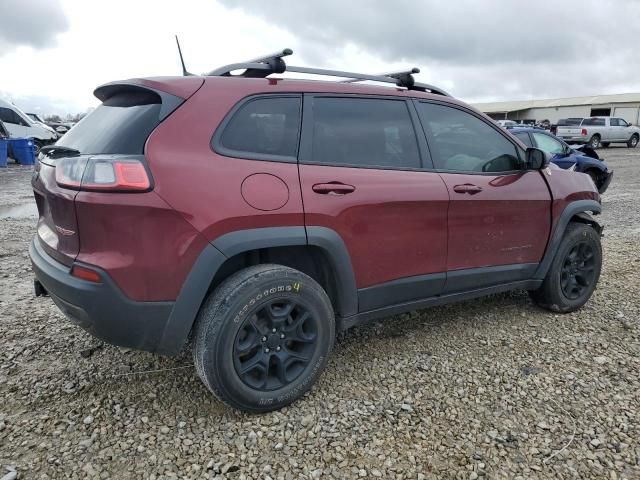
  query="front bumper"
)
[
  {"x": 606, "y": 180},
  {"x": 101, "y": 308}
]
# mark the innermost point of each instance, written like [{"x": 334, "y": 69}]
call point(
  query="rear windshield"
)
[
  {"x": 567, "y": 122},
  {"x": 120, "y": 125}
]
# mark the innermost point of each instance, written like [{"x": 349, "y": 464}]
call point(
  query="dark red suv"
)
[{"x": 258, "y": 216}]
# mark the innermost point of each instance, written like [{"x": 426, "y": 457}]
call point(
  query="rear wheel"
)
[
  {"x": 594, "y": 142},
  {"x": 633, "y": 141},
  {"x": 574, "y": 272},
  {"x": 263, "y": 337}
]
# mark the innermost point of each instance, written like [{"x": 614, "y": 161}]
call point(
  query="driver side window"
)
[{"x": 461, "y": 142}]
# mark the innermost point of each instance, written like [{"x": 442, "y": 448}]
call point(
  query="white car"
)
[
  {"x": 19, "y": 124},
  {"x": 506, "y": 123}
]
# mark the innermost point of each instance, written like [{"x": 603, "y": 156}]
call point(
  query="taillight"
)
[
  {"x": 103, "y": 174},
  {"x": 584, "y": 132}
]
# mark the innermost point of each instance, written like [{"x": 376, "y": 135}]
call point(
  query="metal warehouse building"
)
[{"x": 624, "y": 105}]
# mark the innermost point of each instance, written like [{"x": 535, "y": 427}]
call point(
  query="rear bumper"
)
[
  {"x": 574, "y": 139},
  {"x": 101, "y": 308}
]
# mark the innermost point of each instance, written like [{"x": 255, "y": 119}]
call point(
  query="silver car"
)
[{"x": 601, "y": 131}]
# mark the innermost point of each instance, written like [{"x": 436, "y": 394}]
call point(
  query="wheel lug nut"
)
[
  {"x": 277, "y": 349},
  {"x": 282, "y": 335},
  {"x": 266, "y": 350},
  {"x": 264, "y": 339},
  {"x": 274, "y": 330}
]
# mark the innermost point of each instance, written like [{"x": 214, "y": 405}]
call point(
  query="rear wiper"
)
[{"x": 58, "y": 150}]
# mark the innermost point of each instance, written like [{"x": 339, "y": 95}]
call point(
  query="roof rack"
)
[{"x": 266, "y": 65}]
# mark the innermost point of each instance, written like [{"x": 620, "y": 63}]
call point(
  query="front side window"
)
[
  {"x": 548, "y": 144},
  {"x": 264, "y": 126},
  {"x": 461, "y": 142},
  {"x": 9, "y": 116},
  {"x": 363, "y": 133},
  {"x": 622, "y": 123},
  {"x": 614, "y": 122}
]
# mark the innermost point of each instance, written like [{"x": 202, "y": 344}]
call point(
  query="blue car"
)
[{"x": 582, "y": 159}]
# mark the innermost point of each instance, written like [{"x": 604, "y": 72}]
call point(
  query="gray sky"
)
[{"x": 53, "y": 53}]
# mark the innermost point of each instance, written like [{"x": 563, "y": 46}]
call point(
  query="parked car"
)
[
  {"x": 258, "y": 216},
  {"x": 582, "y": 159},
  {"x": 60, "y": 127},
  {"x": 507, "y": 123},
  {"x": 564, "y": 122},
  {"x": 601, "y": 131},
  {"x": 19, "y": 124}
]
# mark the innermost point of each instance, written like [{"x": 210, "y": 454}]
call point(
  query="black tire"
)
[
  {"x": 557, "y": 293},
  {"x": 594, "y": 141},
  {"x": 633, "y": 141},
  {"x": 38, "y": 145},
  {"x": 234, "y": 332},
  {"x": 606, "y": 144}
]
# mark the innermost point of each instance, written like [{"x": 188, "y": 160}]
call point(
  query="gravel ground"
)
[{"x": 493, "y": 388}]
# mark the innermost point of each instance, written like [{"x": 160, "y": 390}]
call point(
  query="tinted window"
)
[
  {"x": 120, "y": 125},
  {"x": 462, "y": 142},
  {"x": 565, "y": 122},
  {"x": 9, "y": 116},
  {"x": 548, "y": 143},
  {"x": 597, "y": 122},
  {"x": 613, "y": 122},
  {"x": 363, "y": 132},
  {"x": 618, "y": 122},
  {"x": 267, "y": 126},
  {"x": 524, "y": 138}
]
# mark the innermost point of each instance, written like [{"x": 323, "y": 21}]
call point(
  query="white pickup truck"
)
[{"x": 600, "y": 131}]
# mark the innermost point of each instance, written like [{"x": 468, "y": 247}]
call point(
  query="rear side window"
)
[
  {"x": 594, "y": 122},
  {"x": 461, "y": 142},
  {"x": 262, "y": 127},
  {"x": 567, "y": 122},
  {"x": 120, "y": 125},
  {"x": 363, "y": 133}
]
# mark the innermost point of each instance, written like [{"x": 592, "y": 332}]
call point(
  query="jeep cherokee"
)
[{"x": 254, "y": 217}]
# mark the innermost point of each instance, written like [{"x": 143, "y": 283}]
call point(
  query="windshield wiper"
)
[{"x": 58, "y": 150}]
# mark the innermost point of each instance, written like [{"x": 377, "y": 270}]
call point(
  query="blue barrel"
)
[
  {"x": 3, "y": 152},
  {"x": 24, "y": 151}
]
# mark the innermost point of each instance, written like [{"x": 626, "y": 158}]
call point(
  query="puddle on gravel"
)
[{"x": 28, "y": 210}]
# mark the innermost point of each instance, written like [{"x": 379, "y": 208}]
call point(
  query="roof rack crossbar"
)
[{"x": 262, "y": 67}]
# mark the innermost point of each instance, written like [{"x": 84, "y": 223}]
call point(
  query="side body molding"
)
[
  {"x": 196, "y": 285},
  {"x": 577, "y": 208}
]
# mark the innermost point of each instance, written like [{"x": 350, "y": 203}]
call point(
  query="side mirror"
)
[{"x": 537, "y": 159}]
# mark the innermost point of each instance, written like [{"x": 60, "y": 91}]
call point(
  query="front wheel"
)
[
  {"x": 633, "y": 141},
  {"x": 263, "y": 337},
  {"x": 574, "y": 272}
]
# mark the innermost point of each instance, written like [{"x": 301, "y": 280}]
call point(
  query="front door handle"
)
[
  {"x": 467, "y": 188},
  {"x": 333, "y": 188}
]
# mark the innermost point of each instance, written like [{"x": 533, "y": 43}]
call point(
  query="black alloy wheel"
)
[
  {"x": 275, "y": 344},
  {"x": 578, "y": 271}
]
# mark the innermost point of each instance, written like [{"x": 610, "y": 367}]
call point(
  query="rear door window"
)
[
  {"x": 120, "y": 125},
  {"x": 363, "y": 132},
  {"x": 262, "y": 128}
]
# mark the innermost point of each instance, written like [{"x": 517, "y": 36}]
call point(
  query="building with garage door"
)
[{"x": 624, "y": 105}]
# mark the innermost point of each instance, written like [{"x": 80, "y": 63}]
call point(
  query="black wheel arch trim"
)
[
  {"x": 578, "y": 209},
  {"x": 196, "y": 285}
]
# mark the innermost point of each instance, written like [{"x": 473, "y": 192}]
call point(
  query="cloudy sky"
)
[{"x": 53, "y": 53}]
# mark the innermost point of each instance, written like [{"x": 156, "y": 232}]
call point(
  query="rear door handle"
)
[
  {"x": 333, "y": 188},
  {"x": 467, "y": 188}
]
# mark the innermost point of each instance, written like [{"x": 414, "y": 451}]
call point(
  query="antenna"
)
[{"x": 184, "y": 69}]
